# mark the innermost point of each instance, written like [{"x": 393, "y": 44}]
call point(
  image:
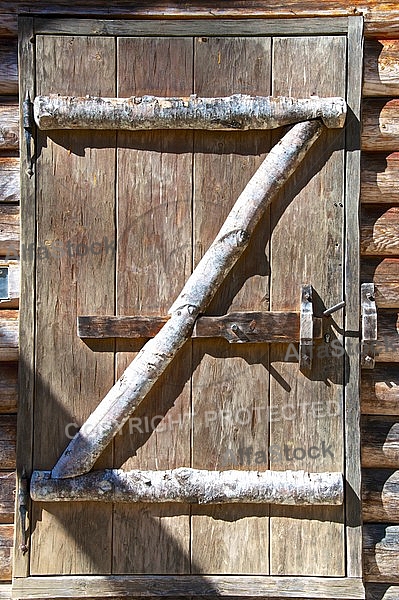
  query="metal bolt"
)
[{"x": 234, "y": 327}]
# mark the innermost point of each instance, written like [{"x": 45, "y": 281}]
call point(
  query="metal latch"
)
[{"x": 369, "y": 325}]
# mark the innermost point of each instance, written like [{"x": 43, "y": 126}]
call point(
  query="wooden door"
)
[{"x": 117, "y": 222}]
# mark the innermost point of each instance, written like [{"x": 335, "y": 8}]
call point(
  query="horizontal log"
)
[
  {"x": 12, "y": 301},
  {"x": 387, "y": 348},
  {"x": 234, "y": 327},
  {"x": 239, "y": 111},
  {"x": 192, "y": 486},
  {"x": 380, "y": 390},
  {"x": 6, "y": 544},
  {"x": 380, "y": 442},
  {"x": 379, "y": 177},
  {"x": 379, "y": 231},
  {"x": 9, "y": 127},
  {"x": 380, "y": 125},
  {"x": 9, "y": 230},
  {"x": 381, "y": 553},
  {"x": 8, "y": 335},
  {"x": 7, "y": 497},
  {"x": 8, "y": 437},
  {"x": 185, "y": 586},
  {"x": 384, "y": 273},
  {"x": 380, "y": 495},
  {"x": 9, "y": 180},
  {"x": 8, "y": 68},
  {"x": 379, "y": 591},
  {"x": 8, "y": 387},
  {"x": 381, "y": 68}
]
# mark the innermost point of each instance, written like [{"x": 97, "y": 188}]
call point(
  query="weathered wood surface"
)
[
  {"x": 13, "y": 284},
  {"x": 8, "y": 387},
  {"x": 9, "y": 335},
  {"x": 9, "y": 125},
  {"x": 380, "y": 495},
  {"x": 387, "y": 348},
  {"x": 9, "y": 179},
  {"x": 380, "y": 124},
  {"x": 5, "y": 591},
  {"x": 205, "y": 586},
  {"x": 235, "y": 327},
  {"x": 380, "y": 177},
  {"x": 381, "y": 18},
  {"x": 228, "y": 246},
  {"x": 194, "y": 486},
  {"x": 379, "y": 231},
  {"x": 8, "y": 68},
  {"x": 7, "y": 496},
  {"x": 6, "y": 543},
  {"x": 381, "y": 68},
  {"x": 8, "y": 436},
  {"x": 9, "y": 230},
  {"x": 380, "y": 442},
  {"x": 239, "y": 111},
  {"x": 8, "y": 25},
  {"x": 379, "y": 591},
  {"x": 289, "y": 269},
  {"x": 380, "y": 390},
  {"x": 384, "y": 273},
  {"x": 67, "y": 287},
  {"x": 381, "y": 553}
]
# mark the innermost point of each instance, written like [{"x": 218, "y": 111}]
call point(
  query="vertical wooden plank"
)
[
  {"x": 154, "y": 260},
  {"x": 307, "y": 248},
  {"x": 352, "y": 285},
  {"x": 230, "y": 384},
  {"x": 27, "y": 301},
  {"x": 75, "y": 213}
]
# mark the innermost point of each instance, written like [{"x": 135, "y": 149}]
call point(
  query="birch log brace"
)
[
  {"x": 192, "y": 486},
  {"x": 238, "y": 111},
  {"x": 231, "y": 241}
]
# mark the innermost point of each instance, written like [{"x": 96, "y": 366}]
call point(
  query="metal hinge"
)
[
  {"x": 23, "y": 503},
  {"x": 29, "y": 125},
  {"x": 369, "y": 326}
]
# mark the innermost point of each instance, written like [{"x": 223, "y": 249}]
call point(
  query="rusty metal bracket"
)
[
  {"x": 306, "y": 329},
  {"x": 28, "y": 125},
  {"x": 369, "y": 326},
  {"x": 23, "y": 501}
]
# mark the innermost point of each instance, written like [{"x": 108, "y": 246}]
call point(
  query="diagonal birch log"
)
[
  {"x": 239, "y": 111},
  {"x": 194, "y": 486},
  {"x": 231, "y": 241}
]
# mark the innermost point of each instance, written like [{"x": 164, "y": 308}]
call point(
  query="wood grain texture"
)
[
  {"x": 7, "y": 496},
  {"x": 8, "y": 388},
  {"x": 380, "y": 125},
  {"x": 380, "y": 177},
  {"x": 9, "y": 179},
  {"x": 380, "y": 495},
  {"x": 206, "y": 586},
  {"x": 9, "y": 335},
  {"x": 9, "y": 230},
  {"x": 290, "y": 269},
  {"x": 380, "y": 390},
  {"x": 8, "y": 438},
  {"x": 8, "y": 25},
  {"x": 380, "y": 442},
  {"x": 5, "y": 591},
  {"x": 384, "y": 273},
  {"x": 229, "y": 384},
  {"x": 8, "y": 68},
  {"x": 379, "y": 231},
  {"x": 9, "y": 125},
  {"x": 381, "y": 68},
  {"x": 154, "y": 260},
  {"x": 76, "y": 173},
  {"x": 376, "y": 591},
  {"x": 381, "y": 553},
  {"x": 387, "y": 349},
  {"x": 6, "y": 542}
]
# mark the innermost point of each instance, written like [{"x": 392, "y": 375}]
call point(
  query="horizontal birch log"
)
[
  {"x": 239, "y": 111},
  {"x": 194, "y": 486},
  {"x": 231, "y": 241}
]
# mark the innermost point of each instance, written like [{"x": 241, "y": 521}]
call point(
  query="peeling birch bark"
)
[
  {"x": 239, "y": 111},
  {"x": 192, "y": 486},
  {"x": 231, "y": 241}
]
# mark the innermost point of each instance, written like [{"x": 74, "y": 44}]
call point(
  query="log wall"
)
[{"x": 379, "y": 248}]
